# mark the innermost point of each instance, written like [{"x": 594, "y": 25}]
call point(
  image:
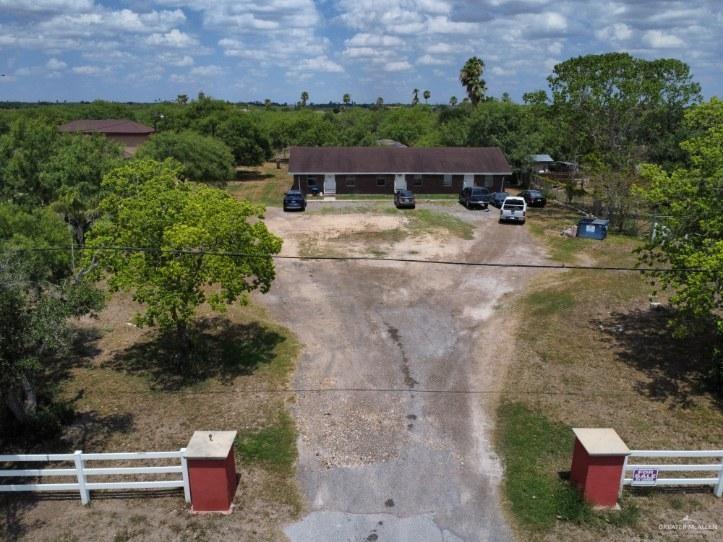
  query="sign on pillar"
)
[
  {"x": 212, "y": 471},
  {"x": 597, "y": 465}
]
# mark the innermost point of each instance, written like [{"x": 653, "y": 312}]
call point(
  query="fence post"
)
[
  {"x": 622, "y": 477},
  {"x": 186, "y": 485},
  {"x": 84, "y": 495},
  {"x": 719, "y": 486}
]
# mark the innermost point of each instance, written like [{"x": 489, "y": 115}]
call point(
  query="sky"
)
[{"x": 247, "y": 50}]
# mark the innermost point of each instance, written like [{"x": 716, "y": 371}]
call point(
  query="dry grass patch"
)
[
  {"x": 262, "y": 184},
  {"x": 593, "y": 353}
]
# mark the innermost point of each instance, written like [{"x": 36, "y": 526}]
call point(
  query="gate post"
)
[
  {"x": 597, "y": 465},
  {"x": 212, "y": 471},
  {"x": 80, "y": 474}
]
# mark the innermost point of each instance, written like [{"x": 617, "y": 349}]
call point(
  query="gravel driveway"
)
[{"x": 396, "y": 447}]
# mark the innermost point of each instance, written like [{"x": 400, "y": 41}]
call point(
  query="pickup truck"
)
[{"x": 513, "y": 209}]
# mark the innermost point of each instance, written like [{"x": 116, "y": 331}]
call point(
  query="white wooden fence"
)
[
  {"x": 647, "y": 474},
  {"x": 84, "y": 475}
]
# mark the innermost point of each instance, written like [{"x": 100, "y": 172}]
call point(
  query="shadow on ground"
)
[
  {"x": 677, "y": 368},
  {"x": 220, "y": 349}
]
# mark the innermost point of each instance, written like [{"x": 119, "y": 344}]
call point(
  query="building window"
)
[
  {"x": 381, "y": 181},
  {"x": 447, "y": 180},
  {"x": 311, "y": 181},
  {"x": 489, "y": 181},
  {"x": 417, "y": 180},
  {"x": 351, "y": 180}
]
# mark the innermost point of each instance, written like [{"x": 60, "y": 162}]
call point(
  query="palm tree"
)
[
  {"x": 267, "y": 104},
  {"x": 346, "y": 99},
  {"x": 453, "y": 101},
  {"x": 426, "y": 95},
  {"x": 471, "y": 78},
  {"x": 304, "y": 98},
  {"x": 415, "y": 96},
  {"x": 380, "y": 102}
]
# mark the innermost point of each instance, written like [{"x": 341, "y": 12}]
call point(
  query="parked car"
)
[
  {"x": 498, "y": 198},
  {"x": 474, "y": 196},
  {"x": 514, "y": 209},
  {"x": 404, "y": 198},
  {"x": 534, "y": 198},
  {"x": 294, "y": 200},
  {"x": 314, "y": 190}
]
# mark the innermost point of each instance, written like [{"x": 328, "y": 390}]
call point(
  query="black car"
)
[
  {"x": 474, "y": 196},
  {"x": 534, "y": 198},
  {"x": 294, "y": 200},
  {"x": 498, "y": 198},
  {"x": 404, "y": 198}
]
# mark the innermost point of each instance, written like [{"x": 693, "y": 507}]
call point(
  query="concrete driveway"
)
[{"x": 401, "y": 363}]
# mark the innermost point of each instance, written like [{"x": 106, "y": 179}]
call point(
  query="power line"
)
[{"x": 204, "y": 252}]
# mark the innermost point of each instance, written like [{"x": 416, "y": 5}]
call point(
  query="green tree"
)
[
  {"x": 148, "y": 205},
  {"x": 304, "y": 98},
  {"x": 471, "y": 78},
  {"x": 24, "y": 149},
  {"x": 615, "y": 103},
  {"x": 74, "y": 172},
  {"x": 379, "y": 103},
  {"x": 248, "y": 142},
  {"x": 453, "y": 101},
  {"x": 427, "y": 94},
  {"x": 182, "y": 99},
  {"x": 346, "y": 99},
  {"x": 204, "y": 158},
  {"x": 35, "y": 336},
  {"x": 37, "y": 227},
  {"x": 415, "y": 96},
  {"x": 690, "y": 203}
]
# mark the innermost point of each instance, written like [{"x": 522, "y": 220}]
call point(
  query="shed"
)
[
  {"x": 541, "y": 162},
  {"x": 593, "y": 228}
]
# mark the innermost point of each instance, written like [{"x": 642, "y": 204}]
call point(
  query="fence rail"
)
[
  {"x": 81, "y": 472},
  {"x": 647, "y": 474}
]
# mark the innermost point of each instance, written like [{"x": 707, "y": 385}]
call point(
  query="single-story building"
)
[
  {"x": 541, "y": 162},
  {"x": 383, "y": 170},
  {"x": 129, "y": 134}
]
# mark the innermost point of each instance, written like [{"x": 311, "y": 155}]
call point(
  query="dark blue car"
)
[
  {"x": 474, "y": 196},
  {"x": 498, "y": 198},
  {"x": 294, "y": 200}
]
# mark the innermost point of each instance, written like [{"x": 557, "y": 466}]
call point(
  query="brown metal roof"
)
[
  {"x": 106, "y": 126},
  {"x": 440, "y": 160}
]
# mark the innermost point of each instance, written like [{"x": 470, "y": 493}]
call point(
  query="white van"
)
[{"x": 513, "y": 209}]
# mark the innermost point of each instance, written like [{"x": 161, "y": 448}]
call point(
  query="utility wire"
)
[{"x": 203, "y": 252}]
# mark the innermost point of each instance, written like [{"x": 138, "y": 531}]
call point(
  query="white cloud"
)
[
  {"x": 45, "y": 5},
  {"x": 615, "y": 32},
  {"x": 397, "y": 66},
  {"x": 174, "y": 38},
  {"x": 207, "y": 71},
  {"x": 319, "y": 64},
  {"x": 430, "y": 60},
  {"x": 55, "y": 65},
  {"x": 366, "y": 40},
  {"x": 662, "y": 40},
  {"x": 87, "y": 70}
]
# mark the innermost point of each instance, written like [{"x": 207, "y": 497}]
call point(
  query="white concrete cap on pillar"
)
[
  {"x": 601, "y": 441},
  {"x": 210, "y": 444}
]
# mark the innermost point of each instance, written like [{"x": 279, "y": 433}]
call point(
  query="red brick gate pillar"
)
[
  {"x": 212, "y": 471},
  {"x": 597, "y": 465}
]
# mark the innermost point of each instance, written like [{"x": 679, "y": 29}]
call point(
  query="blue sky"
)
[{"x": 137, "y": 50}]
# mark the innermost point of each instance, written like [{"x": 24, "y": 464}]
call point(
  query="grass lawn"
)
[
  {"x": 129, "y": 396},
  {"x": 593, "y": 353},
  {"x": 261, "y": 184}
]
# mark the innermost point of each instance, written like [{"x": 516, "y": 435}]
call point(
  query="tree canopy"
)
[
  {"x": 204, "y": 158},
  {"x": 690, "y": 203},
  {"x": 148, "y": 205}
]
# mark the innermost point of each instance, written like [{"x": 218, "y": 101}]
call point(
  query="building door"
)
[
  {"x": 330, "y": 185},
  {"x": 400, "y": 182},
  {"x": 468, "y": 181}
]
